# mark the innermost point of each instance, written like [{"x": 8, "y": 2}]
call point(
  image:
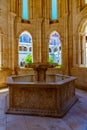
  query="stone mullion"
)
[
  {"x": 39, "y": 40},
  {"x": 43, "y": 36},
  {"x": 20, "y": 9},
  {"x": 30, "y": 9}
]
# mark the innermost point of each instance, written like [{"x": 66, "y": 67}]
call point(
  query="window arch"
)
[
  {"x": 55, "y": 47},
  {"x": 54, "y": 9},
  {"x": 25, "y": 14},
  {"x": 83, "y": 46},
  {"x": 25, "y": 43}
]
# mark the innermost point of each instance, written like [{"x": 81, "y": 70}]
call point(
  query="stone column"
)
[
  {"x": 74, "y": 50},
  {"x": 11, "y": 39},
  {"x": 4, "y": 51},
  {"x": 37, "y": 41},
  {"x": 1, "y": 50},
  {"x": 44, "y": 54},
  {"x": 40, "y": 73},
  {"x": 80, "y": 50},
  {"x": 12, "y": 5}
]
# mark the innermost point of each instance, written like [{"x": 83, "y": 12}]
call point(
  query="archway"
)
[
  {"x": 55, "y": 48},
  {"x": 83, "y": 44},
  {"x": 24, "y": 48}
]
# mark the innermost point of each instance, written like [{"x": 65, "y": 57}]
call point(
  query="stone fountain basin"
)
[{"x": 51, "y": 98}]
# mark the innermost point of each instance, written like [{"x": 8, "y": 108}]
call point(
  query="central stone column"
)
[{"x": 40, "y": 73}]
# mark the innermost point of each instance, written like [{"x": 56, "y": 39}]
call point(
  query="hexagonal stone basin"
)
[{"x": 54, "y": 97}]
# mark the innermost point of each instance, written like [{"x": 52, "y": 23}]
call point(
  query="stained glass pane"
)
[
  {"x": 54, "y": 9},
  {"x": 25, "y": 9}
]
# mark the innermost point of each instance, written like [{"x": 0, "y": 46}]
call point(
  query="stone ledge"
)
[{"x": 3, "y": 85}]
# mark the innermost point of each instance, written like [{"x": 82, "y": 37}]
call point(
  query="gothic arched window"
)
[
  {"x": 83, "y": 47},
  {"x": 25, "y": 9},
  {"x": 25, "y": 43},
  {"x": 55, "y": 48}
]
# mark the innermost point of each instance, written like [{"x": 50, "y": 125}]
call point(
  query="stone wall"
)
[
  {"x": 79, "y": 17},
  {"x": 71, "y": 15}
]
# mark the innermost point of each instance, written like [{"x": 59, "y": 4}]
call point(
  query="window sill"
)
[
  {"x": 54, "y": 21},
  {"x": 25, "y": 21}
]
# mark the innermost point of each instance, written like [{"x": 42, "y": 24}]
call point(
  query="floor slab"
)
[{"x": 75, "y": 119}]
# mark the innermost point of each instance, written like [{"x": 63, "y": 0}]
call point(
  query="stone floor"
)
[{"x": 75, "y": 119}]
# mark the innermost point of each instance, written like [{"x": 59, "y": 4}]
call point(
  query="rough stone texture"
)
[
  {"x": 75, "y": 119},
  {"x": 41, "y": 98},
  {"x": 71, "y": 17}
]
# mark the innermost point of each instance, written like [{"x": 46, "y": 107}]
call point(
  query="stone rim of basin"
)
[{"x": 40, "y": 65}]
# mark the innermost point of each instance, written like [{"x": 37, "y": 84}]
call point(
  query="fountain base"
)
[{"x": 52, "y": 98}]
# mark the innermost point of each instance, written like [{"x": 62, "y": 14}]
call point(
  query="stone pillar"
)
[
  {"x": 79, "y": 49},
  {"x": 12, "y": 5},
  {"x": 44, "y": 51},
  {"x": 74, "y": 50},
  {"x": 1, "y": 50},
  {"x": 40, "y": 74},
  {"x": 37, "y": 41},
  {"x": 11, "y": 39}
]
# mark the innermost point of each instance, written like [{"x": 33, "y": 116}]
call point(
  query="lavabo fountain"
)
[{"x": 41, "y": 94}]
